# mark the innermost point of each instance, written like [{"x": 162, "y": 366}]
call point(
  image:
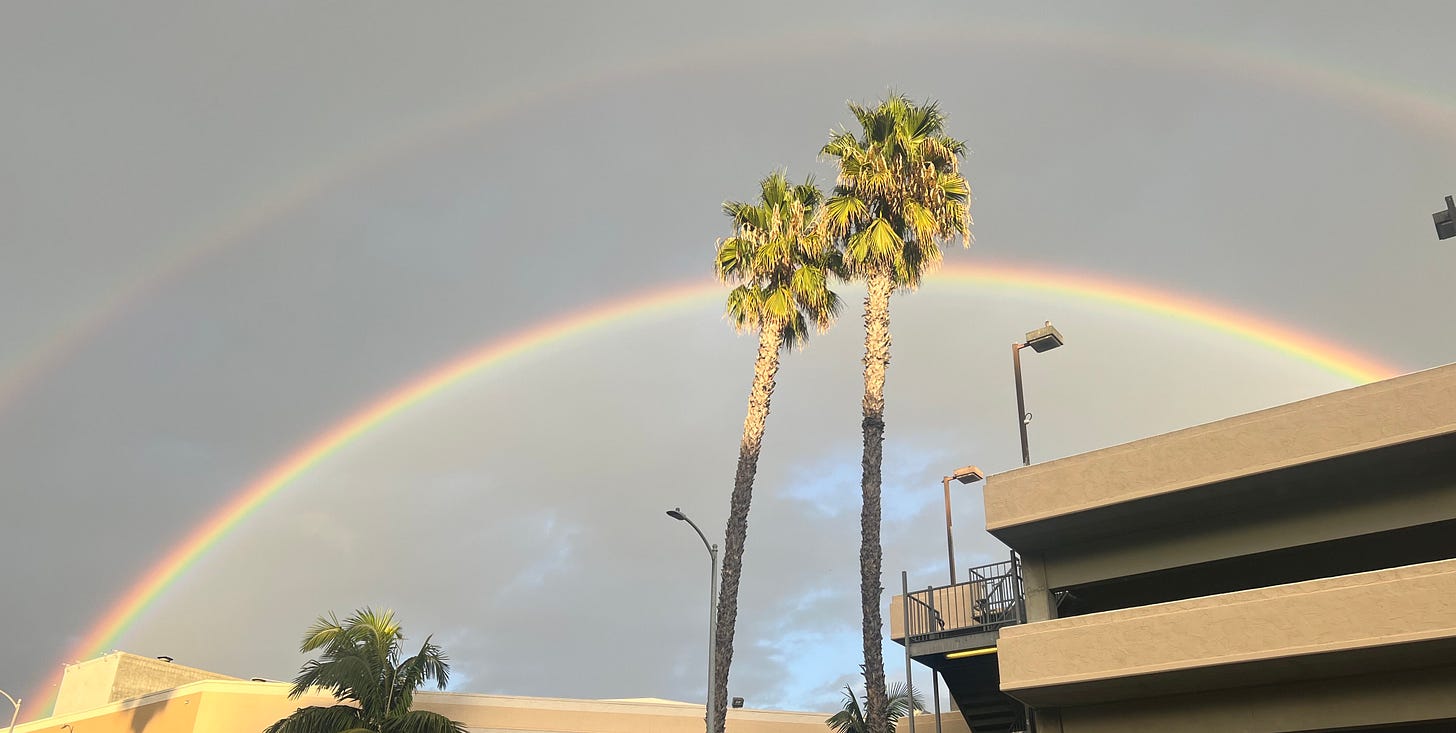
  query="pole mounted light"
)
[
  {"x": 677, "y": 513},
  {"x": 1446, "y": 220},
  {"x": 1042, "y": 339},
  {"x": 15, "y": 702},
  {"x": 965, "y": 475}
]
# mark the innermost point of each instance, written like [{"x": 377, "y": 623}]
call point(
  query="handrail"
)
[
  {"x": 939, "y": 620},
  {"x": 993, "y": 598}
]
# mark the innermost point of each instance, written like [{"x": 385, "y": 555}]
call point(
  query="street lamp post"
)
[
  {"x": 1042, "y": 339},
  {"x": 965, "y": 475},
  {"x": 15, "y": 702},
  {"x": 677, "y": 513}
]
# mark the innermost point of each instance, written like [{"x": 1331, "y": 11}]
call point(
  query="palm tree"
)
[
  {"x": 899, "y": 194},
  {"x": 781, "y": 264},
  {"x": 359, "y": 663},
  {"x": 902, "y": 701}
]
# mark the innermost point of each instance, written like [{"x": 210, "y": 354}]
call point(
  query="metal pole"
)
[
  {"x": 15, "y": 702},
  {"x": 712, "y": 612},
  {"x": 949, "y": 543},
  {"x": 935, "y": 685},
  {"x": 905, "y": 606},
  {"x": 712, "y": 636},
  {"x": 1020, "y": 403},
  {"x": 934, "y": 678}
]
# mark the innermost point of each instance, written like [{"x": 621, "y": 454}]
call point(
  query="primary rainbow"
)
[{"x": 1312, "y": 350}]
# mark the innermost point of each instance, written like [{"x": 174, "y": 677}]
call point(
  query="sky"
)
[{"x": 227, "y": 228}]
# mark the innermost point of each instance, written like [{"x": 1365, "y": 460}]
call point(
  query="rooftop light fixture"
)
[
  {"x": 1446, "y": 220},
  {"x": 968, "y": 474},
  {"x": 965, "y": 475},
  {"x": 1042, "y": 339}
]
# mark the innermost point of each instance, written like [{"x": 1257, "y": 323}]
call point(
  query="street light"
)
[
  {"x": 1446, "y": 220},
  {"x": 677, "y": 513},
  {"x": 965, "y": 475},
  {"x": 15, "y": 702},
  {"x": 1042, "y": 339}
]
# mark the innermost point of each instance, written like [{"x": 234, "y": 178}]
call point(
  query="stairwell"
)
[{"x": 975, "y": 683}]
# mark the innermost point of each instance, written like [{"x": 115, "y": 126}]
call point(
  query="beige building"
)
[
  {"x": 1293, "y": 569},
  {"x": 126, "y": 693}
]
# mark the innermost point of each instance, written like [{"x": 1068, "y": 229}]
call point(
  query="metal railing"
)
[{"x": 991, "y": 599}]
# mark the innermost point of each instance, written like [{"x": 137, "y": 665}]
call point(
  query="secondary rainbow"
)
[
  {"x": 1356, "y": 367},
  {"x": 1423, "y": 110}
]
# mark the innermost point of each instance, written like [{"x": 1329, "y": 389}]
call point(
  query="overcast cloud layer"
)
[{"x": 270, "y": 216}]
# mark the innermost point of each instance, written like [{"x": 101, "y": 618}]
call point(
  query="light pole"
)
[
  {"x": 677, "y": 513},
  {"x": 965, "y": 475},
  {"x": 1042, "y": 339},
  {"x": 15, "y": 702}
]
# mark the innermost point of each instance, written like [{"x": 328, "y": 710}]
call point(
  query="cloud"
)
[{"x": 519, "y": 516}]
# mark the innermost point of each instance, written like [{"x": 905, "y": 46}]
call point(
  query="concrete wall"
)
[
  {"x": 138, "y": 675},
  {"x": 950, "y": 722},
  {"x": 1387, "y": 413},
  {"x": 155, "y": 714},
  {"x": 121, "y": 676},
  {"x": 248, "y": 707},
  {"x": 87, "y": 684},
  {"x": 1387, "y": 698},
  {"x": 956, "y": 605},
  {"x": 1307, "y": 520},
  {"x": 1130, "y": 653}
]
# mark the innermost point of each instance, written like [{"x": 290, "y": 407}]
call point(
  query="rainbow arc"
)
[{"x": 1298, "y": 345}]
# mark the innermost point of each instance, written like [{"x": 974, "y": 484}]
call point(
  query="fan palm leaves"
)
[
  {"x": 901, "y": 699},
  {"x": 360, "y": 664},
  {"x": 780, "y": 264},
  {"x": 898, "y": 196},
  {"x": 779, "y": 261}
]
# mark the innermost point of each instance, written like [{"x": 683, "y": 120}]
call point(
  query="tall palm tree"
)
[
  {"x": 359, "y": 662},
  {"x": 899, "y": 194},
  {"x": 781, "y": 263},
  {"x": 902, "y": 700}
]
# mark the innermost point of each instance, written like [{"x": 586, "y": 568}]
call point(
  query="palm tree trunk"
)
[
  {"x": 765, "y": 369},
  {"x": 876, "y": 360}
]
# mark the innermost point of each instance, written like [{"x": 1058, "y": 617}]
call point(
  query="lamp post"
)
[
  {"x": 677, "y": 513},
  {"x": 15, "y": 702},
  {"x": 965, "y": 475},
  {"x": 1042, "y": 339}
]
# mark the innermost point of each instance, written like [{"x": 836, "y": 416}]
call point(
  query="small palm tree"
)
[
  {"x": 902, "y": 701},
  {"x": 781, "y": 264},
  {"x": 359, "y": 663},
  {"x": 899, "y": 194}
]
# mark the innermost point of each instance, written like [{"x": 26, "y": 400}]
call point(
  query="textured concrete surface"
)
[
  {"x": 1381, "y": 414},
  {"x": 1386, "y": 607},
  {"x": 122, "y": 676},
  {"x": 235, "y": 706}
]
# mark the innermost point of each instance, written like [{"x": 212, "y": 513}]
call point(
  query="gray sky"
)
[{"x": 225, "y": 229}]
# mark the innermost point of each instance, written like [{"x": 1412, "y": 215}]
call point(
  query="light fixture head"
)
[
  {"x": 968, "y": 474},
  {"x": 1446, "y": 220},
  {"x": 1045, "y": 338},
  {"x": 676, "y": 513}
]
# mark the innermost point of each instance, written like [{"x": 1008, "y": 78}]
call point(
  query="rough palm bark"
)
[
  {"x": 781, "y": 264},
  {"x": 876, "y": 362},
  {"x": 765, "y": 369},
  {"x": 899, "y": 193}
]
